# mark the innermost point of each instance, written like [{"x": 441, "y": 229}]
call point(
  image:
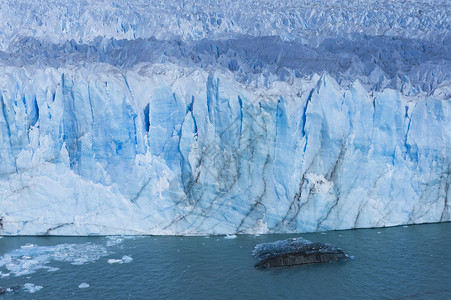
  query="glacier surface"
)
[{"x": 205, "y": 117}]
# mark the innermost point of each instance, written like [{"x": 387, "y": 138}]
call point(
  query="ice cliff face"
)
[{"x": 192, "y": 119}]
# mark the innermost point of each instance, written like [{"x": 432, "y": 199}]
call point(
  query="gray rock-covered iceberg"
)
[{"x": 295, "y": 251}]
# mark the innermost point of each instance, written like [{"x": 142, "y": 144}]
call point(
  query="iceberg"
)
[
  {"x": 295, "y": 251},
  {"x": 114, "y": 120}
]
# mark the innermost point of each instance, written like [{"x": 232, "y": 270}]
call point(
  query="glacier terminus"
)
[{"x": 209, "y": 117}]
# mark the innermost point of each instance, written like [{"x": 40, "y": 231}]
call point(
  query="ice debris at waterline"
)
[
  {"x": 31, "y": 258},
  {"x": 12, "y": 289},
  {"x": 27, "y": 287},
  {"x": 295, "y": 251},
  {"x": 223, "y": 117}
]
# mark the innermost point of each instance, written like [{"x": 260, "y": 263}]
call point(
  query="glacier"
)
[{"x": 193, "y": 118}]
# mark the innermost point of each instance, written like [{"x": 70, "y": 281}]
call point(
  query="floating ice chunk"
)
[
  {"x": 31, "y": 288},
  {"x": 230, "y": 236},
  {"x": 10, "y": 289},
  {"x": 125, "y": 259},
  {"x": 83, "y": 285},
  {"x": 52, "y": 269},
  {"x": 4, "y": 274},
  {"x": 79, "y": 261},
  {"x": 114, "y": 261},
  {"x": 114, "y": 240},
  {"x": 295, "y": 251},
  {"x": 266, "y": 250}
]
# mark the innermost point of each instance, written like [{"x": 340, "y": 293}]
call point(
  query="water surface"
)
[{"x": 392, "y": 263}]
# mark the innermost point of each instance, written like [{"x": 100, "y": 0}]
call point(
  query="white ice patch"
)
[
  {"x": 31, "y": 288},
  {"x": 230, "y": 236},
  {"x": 117, "y": 239},
  {"x": 3, "y": 274},
  {"x": 114, "y": 240},
  {"x": 319, "y": 182},
  {"x": 125, "y": 259},
  {"x": 31, "y": 258},
  {"x": 83, "y": 285}
]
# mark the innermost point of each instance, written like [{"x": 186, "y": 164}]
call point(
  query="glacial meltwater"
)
[{"x": 411, "y": 262}]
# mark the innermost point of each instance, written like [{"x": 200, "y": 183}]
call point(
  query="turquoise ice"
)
[{"x": 289, "y": 126}]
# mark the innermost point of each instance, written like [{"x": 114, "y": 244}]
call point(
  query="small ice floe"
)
[
  {"x": 28, "y": 246},
  {"x": 405, "y": 226},
  {"x": 124, "y": 260},
  {"x": 83, "y": 285},
  {"x": 3, "y": 274},
  {"x": 115, "y": 240},
  {"x": 31, "y": 288},
  {"x": 230, "y": 236},
  {"x": 10, "y": 289},
  {"x": 378, "y": 232},
  {"x": 79, "y": 261}
]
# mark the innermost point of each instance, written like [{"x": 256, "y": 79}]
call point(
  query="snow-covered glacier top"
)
[
  {"x": 83, "y": 21},
  {"x": 401, "y": 45},
  {"x": 223, "y": 117}
]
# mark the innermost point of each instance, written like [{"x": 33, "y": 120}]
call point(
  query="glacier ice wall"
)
[{"x": 116, "y": 120}]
